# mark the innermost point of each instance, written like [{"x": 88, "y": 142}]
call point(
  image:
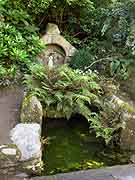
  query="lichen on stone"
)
[{"x": 31, "y": 110}]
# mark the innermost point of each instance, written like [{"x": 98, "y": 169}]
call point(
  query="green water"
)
[{"x": 71, "y": 149}]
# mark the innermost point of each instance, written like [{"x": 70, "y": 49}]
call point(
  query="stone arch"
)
[
  {"x": 60, "y": 41},
  {"x": 54, "y": 50},
  {"x": 53, "y": 38},
  {"x": 60, "y": 48}
]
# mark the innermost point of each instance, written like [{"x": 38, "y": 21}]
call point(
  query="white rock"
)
[
  {"x": 9, "y": 151},
  {"x": 27, "y": 139}
]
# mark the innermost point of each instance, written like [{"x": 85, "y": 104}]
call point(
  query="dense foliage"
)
[
  {"x": 20, "y": 43},
  {"x": 65, "y": 92},
  {"x": 102, "y": 28}
]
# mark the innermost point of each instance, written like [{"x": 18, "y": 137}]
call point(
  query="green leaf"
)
[
  {"x": 59, "y": 95},
  {"x": 114, "y": 66}
]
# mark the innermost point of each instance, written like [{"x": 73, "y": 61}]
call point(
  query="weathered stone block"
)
[
  {"x": 127, "y": 135},
  {"x": 9, "y": 155},
  {"x": 10, "y": 162},
  {"x": 10, "y": 104},
  {"x": 31, "y": 110},
  {"x": 52, "y": 29}
]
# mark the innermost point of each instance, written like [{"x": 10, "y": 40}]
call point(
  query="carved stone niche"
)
[
  {"x": 54, "y": 51},
  {"x": 58, "y": 49}
]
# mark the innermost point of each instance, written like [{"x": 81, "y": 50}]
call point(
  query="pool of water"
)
[{"x": 72, "y": 148}]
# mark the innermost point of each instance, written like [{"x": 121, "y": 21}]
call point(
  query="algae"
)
[{"x": 73, "y": 148}]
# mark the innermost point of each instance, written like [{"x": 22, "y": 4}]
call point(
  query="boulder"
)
[
  {"x": 127, "y": 137},
  {"x": 27, "y": 138},
  {"x": 31, "y": 110},
  {"x": 127, "y": 118}
]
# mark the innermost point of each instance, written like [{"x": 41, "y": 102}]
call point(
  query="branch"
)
[
  {"x": 77, "y": 34},
  {"x": 103, "y": 59}
]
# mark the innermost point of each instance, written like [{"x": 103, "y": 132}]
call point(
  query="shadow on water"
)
[{"x": 71, "y": 147}]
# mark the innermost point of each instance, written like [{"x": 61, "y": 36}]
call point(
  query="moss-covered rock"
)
[
  {"x": 31, "y": 110},
  {"x": 122, "y": 116},
  {"x": 10, "y": 161}
]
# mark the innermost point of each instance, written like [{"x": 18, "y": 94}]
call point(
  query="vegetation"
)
[
  {"x": 65, "y": 92},
  {"x": 102, "y": 31},
  {"x": 20, "y": 43},
  {"x": 88, "y": 25},
  {"x": 81, "y": 59},
  {"x": 103, "y": 34}
]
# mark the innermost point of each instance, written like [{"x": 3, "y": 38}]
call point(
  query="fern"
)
[{"x": 64, "y": 92}]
